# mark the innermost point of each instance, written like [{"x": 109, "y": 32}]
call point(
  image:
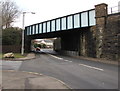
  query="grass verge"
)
[
  {"x": 17, "y": 55},
  {"x": 1, "y": 55}
]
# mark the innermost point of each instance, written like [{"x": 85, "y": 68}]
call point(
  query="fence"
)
[{"x": 114, "y": 9}]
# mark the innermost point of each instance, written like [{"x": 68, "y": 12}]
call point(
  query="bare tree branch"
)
[
  {"x": 9, "y": 13},
  {"x": 0, "y": 16}
]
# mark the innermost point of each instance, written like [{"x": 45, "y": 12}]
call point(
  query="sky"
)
[{"x": 50, "y": 9}]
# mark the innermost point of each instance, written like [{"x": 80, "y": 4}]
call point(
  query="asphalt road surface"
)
[{"x": 76, "y": 73}]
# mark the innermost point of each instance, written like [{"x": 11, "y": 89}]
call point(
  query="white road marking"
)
[
  {"x": 56, "y": 57},
  {"x": 67, "y": 61},
  {"x": 79, "y": 64},
  {"x": 92, "y": 67},
  {"x": 60, "y": 58}
]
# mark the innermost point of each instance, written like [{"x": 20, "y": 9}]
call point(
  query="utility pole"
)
[{"x": 23, "y": 27}]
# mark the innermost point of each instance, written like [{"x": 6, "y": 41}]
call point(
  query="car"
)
[{"x": 37, "y": 49}]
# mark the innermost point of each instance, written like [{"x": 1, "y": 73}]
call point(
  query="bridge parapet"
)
[{"x": 72, "y": 21}]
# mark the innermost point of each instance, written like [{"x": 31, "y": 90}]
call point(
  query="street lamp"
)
[{"x": 23, "y": 22}]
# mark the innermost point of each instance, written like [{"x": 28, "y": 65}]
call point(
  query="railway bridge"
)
[{"x": 84, "y": 33}]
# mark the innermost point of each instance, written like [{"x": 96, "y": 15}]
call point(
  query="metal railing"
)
[
  {"x": 72, "y": 21},
  {"x": 114, "y": 9}
]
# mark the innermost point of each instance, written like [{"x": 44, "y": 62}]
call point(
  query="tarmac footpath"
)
[{"x": 28, "y": 80}]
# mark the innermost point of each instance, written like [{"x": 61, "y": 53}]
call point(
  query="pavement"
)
[
  {"x": 29, "y": 80},
  {"x": 102, "y": 60}
]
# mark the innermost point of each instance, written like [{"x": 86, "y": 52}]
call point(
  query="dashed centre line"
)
[
  {"x": 67, "y": 61},
  {"x": 56, "y": 57},
  {"x": 92, "y": 67},
  {"x": 79, "y": 64},
  {"x": 60, "y": 58}
]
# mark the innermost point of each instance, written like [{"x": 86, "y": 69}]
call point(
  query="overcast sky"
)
[{"x": 50, "y": 9}]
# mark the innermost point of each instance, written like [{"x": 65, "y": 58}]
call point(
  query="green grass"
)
[
  {"x": 1, "y": 55},
  {"x": 17, "y": 55}
]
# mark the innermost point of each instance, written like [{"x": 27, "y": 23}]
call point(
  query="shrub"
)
[{"x": 11, "y": 36}]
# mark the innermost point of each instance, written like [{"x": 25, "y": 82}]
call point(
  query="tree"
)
[
  {"x": 11, "y": 36},
  {"x": 0, "y": 17},
  {"x": 9, "y": 13}
]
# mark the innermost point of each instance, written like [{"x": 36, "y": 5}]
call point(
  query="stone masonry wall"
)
[
  {"x": 110, "y": 39},
  {"x": 107, "y": 33},
  {"x": 88, "y": 42},
  {"x": 102, "y": 40},
  {"x": 101, "y": 14}
]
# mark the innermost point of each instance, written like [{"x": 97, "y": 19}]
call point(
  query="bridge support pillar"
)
[
  {"x": 101, "y": 15},
  {"x": 82, "y": 44},
  {"x": 27, "y": 43}
]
